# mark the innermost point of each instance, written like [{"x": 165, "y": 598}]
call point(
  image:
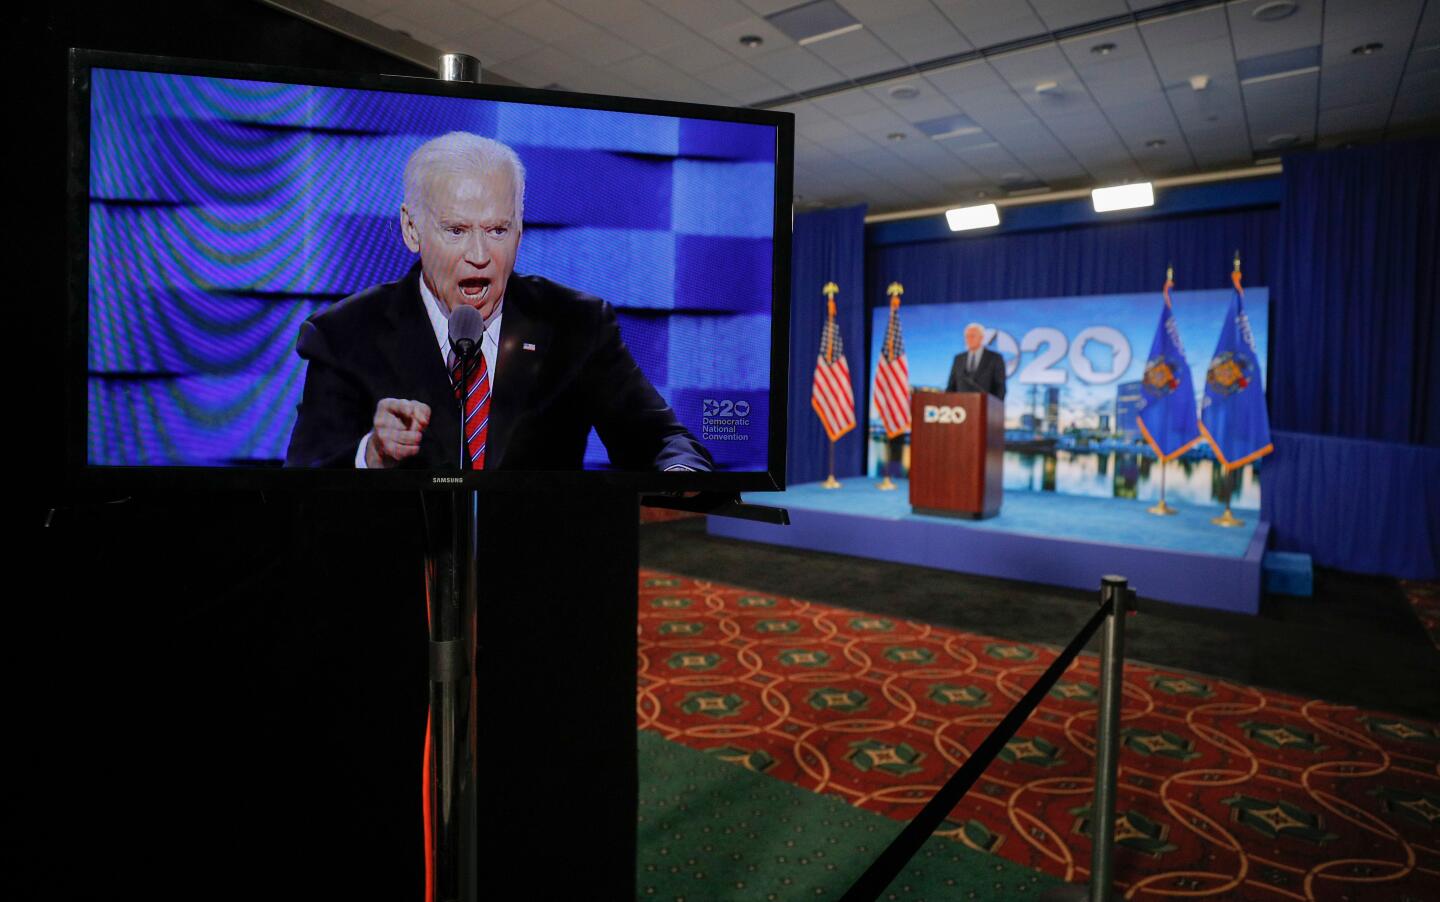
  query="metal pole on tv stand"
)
[{"x": 451, "y": 584}]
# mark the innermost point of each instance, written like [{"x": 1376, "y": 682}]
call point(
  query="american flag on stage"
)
[
  {"x": 832, "y": 397},
  {"x": 892, "y": 373}
]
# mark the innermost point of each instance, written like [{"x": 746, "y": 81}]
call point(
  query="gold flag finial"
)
[
  {"x": 830, "y": 290},
  {"x": 1170, "y": 274},
  {"x": 895, "y": 289},
  {"x": 1235, "y": 276}
]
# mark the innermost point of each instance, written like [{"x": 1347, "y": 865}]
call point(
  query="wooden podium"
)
[{"x": 957, "y": 453}]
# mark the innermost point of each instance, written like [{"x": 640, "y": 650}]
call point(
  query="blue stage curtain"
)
[
  {"x": 1118, "y": 258},
  {"x": 829, "y": 245},
  {"x": 1362, "y": 506},
  {"x": 1357, "y": 282}
]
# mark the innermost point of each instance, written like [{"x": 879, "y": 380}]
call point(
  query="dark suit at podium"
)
[{"x": 988, "y": 375}]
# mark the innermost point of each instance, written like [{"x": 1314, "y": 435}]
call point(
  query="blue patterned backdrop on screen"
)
[{"x": 225, "y": 212}]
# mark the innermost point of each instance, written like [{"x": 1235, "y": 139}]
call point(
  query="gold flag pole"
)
[
  {"x": 895, "y": 290},
  {"x": 830, "y": 290},
  {"x": 1161, "y": 509},
  {"x": 1228, "y": 519}
]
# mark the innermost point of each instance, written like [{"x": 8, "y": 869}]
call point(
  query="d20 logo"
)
[
  {"x": 897, "y": 760},
  {"x": 1034, "y": 750},
  {"x": 712, "y": 704},
  {"x": 969, "y": 696},
  {"x": 905, "y": 655},
  {"x": 1278, "y": 818},
  {"x": 693, "y": 661},
  {"x": 803, "y": 657},
  {"x": 828, "y": 698}
]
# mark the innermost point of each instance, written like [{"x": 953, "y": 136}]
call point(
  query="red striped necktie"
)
[{"x": 477, "y": 407}]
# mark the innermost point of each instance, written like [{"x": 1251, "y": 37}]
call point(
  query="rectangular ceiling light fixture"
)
[
  {"x": 811, "y": 23},
  {"x": 981, "y": 216},
  {"x": 1123, "y": 197}
]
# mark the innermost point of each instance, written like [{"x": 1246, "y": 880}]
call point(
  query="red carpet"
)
[{"x": 1226, "y": 791}]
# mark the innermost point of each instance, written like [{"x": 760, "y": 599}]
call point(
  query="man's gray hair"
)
[
  {"x": 461, "y": 152},
  {"x": 975, "y": 326}
]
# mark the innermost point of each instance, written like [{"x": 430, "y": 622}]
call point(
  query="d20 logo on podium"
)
[{"x": 936, "y": 413}]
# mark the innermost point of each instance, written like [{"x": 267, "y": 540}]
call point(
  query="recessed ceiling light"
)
[
  {"x": 1155, "y": 142},
  {"x": 1274, "y": 11},
  {"x": 751, "y": 40},
  {"x": 1367, "y": 49},
  {"x": 904, "y": 92},
  {"x": 895, "y": 136},
  {"x": 1284, "y": 139},
  {"x": 981, "y": 195},
  {"x": 1104, "y": 49},
  {"x": 1199, "y": 82},
  {"x": 1047, "y": 87}
]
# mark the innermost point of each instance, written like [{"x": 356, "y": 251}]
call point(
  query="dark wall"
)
[{"x": 213, "y": 694}]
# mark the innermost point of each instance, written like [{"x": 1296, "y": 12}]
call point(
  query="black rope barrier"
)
[{"x": 887, "y": 866}]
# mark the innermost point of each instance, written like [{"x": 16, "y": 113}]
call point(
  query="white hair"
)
[
  {"x": 463, "y": 153},
  {"x": 975, "y": 326}
]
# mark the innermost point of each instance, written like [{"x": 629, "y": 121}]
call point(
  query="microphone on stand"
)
[{"x": 467, "y": 327}]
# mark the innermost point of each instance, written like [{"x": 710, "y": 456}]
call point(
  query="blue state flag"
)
[
  {"x": 1167, "y": 396},
  {"x": 1233, "y": 416}
]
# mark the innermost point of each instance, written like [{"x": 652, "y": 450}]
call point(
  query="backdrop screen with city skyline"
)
[{"x": 1073, "y": 370}]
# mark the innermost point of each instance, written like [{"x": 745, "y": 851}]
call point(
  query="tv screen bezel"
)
[{"x": 84, "y": 477}]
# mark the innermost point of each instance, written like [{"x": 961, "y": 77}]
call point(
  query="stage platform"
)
[{"x": 1062, "y": 540}]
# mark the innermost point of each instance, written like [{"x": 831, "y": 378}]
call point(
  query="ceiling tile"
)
[
  {"x": 1058, "y": 14},
  {"x": 1253, "y": 37},
  {"x": 986, "y": 23},
  {"x": 797, "y": 69}
]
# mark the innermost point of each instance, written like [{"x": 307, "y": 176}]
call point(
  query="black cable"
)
[{"x": 887, "y": 866}]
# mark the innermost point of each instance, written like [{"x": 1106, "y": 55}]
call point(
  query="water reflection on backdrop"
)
[{"x": 1130, "y": 472}]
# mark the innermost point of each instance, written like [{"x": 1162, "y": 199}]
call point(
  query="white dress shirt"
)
[{"x": 440, "y": 322}]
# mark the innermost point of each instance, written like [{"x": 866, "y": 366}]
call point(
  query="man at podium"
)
[{"x": 978, "y": 369}]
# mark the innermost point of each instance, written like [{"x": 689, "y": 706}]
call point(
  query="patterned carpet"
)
[
  {"x": 1425, "y": 599},
  {"x": 1226, "y": 791}
]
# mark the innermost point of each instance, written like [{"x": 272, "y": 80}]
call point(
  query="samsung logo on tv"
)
[{"x": 447, "y": 480}]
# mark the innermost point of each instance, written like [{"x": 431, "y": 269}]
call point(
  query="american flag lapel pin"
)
[{"x": 527, "y": 346}]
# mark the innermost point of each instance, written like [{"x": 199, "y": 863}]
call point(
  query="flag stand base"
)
[
  {"x": 885, "y": 485},
  {"x": 1227, "y": 519},
  {"x": 1161, "y": 509},
  {"x": 830, "y": 482}
]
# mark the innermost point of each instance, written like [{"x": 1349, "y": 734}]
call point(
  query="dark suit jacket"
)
[
  {"x": 989, "y": 375},
  {"x": 379, "y": 344}
]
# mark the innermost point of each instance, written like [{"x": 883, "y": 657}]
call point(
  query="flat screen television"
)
[{"x": 266, "y": 267}]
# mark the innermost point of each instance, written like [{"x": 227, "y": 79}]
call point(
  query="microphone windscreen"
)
[{"x": 466, "y": 324}]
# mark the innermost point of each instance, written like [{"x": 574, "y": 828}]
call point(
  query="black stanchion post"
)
[{"x": 1114, "y": 592}]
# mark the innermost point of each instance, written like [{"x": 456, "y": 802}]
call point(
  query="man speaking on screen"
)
[{"x": 383, "y": 385}]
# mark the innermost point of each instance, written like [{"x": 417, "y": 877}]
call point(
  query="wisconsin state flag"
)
[
  {"x": 1167, "y": 396},
  {"x": 1233, "y": 417}
]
